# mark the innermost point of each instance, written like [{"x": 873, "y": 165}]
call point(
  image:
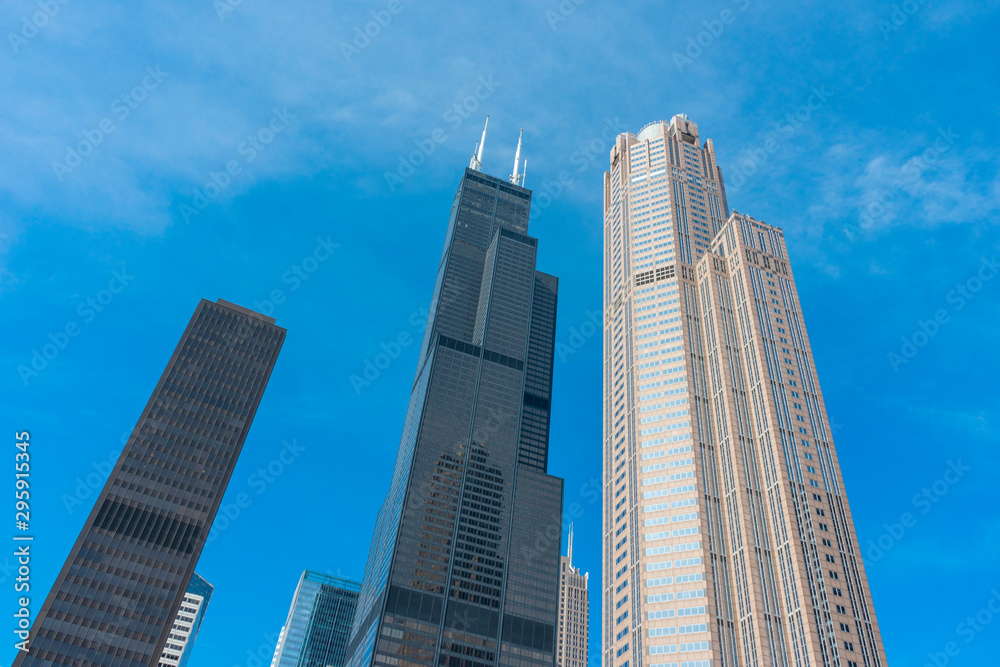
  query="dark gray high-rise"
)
[
  {"x": 464, "y": 565},
  {"x": 116, "y": 597}
]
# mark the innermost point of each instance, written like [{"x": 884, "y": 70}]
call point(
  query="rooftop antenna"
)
[
  {"x": 569, "y": 553},
  {"x": 515, "y": 177},
  {"x": 477, "y": 155},
  {"x": 472, "y": 162},
  {"x": 524, "y": 170}
]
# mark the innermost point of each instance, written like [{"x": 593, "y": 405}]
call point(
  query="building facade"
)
[
  {"x": 573, "y": 636},
  {"x": 319, "y": 622},
  {"x": 461, "y": 571},
  {"x": 180, "y": 641},
  {"x": 728, "y": 541},
  {"x": 115, "y": 599}
]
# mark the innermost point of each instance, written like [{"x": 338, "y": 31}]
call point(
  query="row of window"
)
[{"x": 674, "y": 648}]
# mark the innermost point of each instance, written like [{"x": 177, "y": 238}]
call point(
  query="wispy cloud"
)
[{"x": 869, "y": 182}]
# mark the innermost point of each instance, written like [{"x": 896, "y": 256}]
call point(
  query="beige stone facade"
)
[
  {"x": 728, "y": 540},
  {"x": 573, "y": 634}
]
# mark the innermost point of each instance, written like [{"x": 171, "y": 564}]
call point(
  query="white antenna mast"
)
[
  {"x": 524, "y": 170},
  {"x": 472, "y": 162},
  {"x": 477, "y": 155},
  {"x": 515, "y": 178},
  {"x": 569, "y": 553}
]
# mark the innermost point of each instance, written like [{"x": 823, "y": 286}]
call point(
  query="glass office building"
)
[
  {"x": 319, "y": 622},
  {"x": 115, "y": 599},
  {"x": 462, "y": 570},
  {"x": 180, "y": 642}
]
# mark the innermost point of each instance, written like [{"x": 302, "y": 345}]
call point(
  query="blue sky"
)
[{"x": 887, "y": 188}]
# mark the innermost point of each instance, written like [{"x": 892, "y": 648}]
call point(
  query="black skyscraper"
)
[
  {"x": 464, "y": 565},
  {"x": 116, "y": 597}
]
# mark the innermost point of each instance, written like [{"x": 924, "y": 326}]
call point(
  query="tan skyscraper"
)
[
  {"x": 728, "y": 541},
  {"x": 574, "y": 612}
]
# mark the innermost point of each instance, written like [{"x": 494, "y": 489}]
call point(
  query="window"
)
[
  {"x": 661, "y": 632},
  {"x": 845, "y": 627},
  {"x": 841, "y": 609},
  {"x": 830, "y": 559},
  {"x": 688, "y": 629},
  {"x": 834, "y": 575},
  {"x": 666, "y": 648},
  {"x": 827, "y": 543},
  {"x": 838, "y": 592},
  {"x": 823, "y": 526},
  {"x": 849, "y": 646}
]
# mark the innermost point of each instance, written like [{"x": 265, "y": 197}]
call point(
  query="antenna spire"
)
[
  {"x": 515, "y": 178},
  {"x": 569, "y": 553},
  {"x": 477, "y": 155},
  {"x": 472, "y": 162}
]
